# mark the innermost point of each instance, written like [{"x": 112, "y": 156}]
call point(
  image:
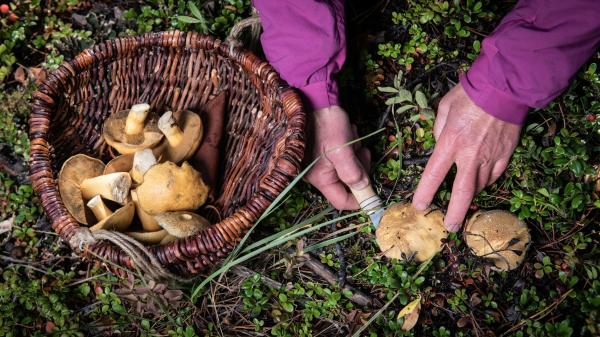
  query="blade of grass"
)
[{"x": 329, "y": 242}]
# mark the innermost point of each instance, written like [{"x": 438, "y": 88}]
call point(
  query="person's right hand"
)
[{"x": 340, "y": 166}]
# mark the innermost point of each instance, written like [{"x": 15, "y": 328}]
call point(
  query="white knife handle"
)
[{"x": 368, "y": 200}]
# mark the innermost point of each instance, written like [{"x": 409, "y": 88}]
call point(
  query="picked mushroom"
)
[
  {"x": 73, "y": 172},
  {"x": 181, "y": 224},
  {"x": 183, "y": 130},
  {"x": 498, "y": 236},
  {"x": 131, "y": 130},
  {"x": 118, "y": 220},
  {"x": 149, "y": 237},
  {"x": 148, "y": 222},
  {"x": 112, "y": 186},
  {"x": 405, "y": 232},
  {"x": 168, "y": 187},
  {"x": 136, "y": 164},
  {"x": 168, "y": 238}
]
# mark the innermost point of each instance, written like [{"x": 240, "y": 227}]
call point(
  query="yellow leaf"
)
[{"x": 411, "y": 314}]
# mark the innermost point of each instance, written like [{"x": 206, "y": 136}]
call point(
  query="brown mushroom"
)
[
  {"x": 122, "y": 163},
  {"x": 168, "y": 238},
  {"x": 181, "y": 224},
  {"x": 148, "y": 222},
  {"x": 498, "y": 236},
  {"x": 128, "y": 131},
  {"x": 119, "y": 220},
  {"x": 112, "y": 186},
  {"x": 183, "y": 130},
  {"x": 404, "y": 232},
  {"x": 149, "y": 237},
  {"x": 73, "y": 172},
  {"x": 168, "y": 187}
]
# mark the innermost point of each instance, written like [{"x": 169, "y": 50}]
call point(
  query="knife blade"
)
[{"x": 370, "y": 203}]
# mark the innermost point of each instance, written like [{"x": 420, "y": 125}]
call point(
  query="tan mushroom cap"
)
[
  {"x": 181, "y": 224},
  {"x": 122, "y": 163},
  {"x": 184, "y": 131},
  {"x": 149, "y": 237},
  {"x": 73, "y": 172},
  {"x": 404, "y": 232},
  {"x": 119, "y": 220},
  {"x": 168, "y": 238},
  {"x": 114, "y": 133},
  {"x": 168, "y": 187},
  {"x": 498, "y": 236}
]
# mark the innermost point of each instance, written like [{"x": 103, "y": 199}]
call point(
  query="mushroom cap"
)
[
  {"x": 499, "y": 236},
  {"x": 75, "y": 170},
  {"x": 168, "y": 187},
  {"x": 193, "y": 130},
  {"x": 181, "y": 224},
  {"x": 149, "y": 237},
  {"x": 119, "y": 220},
  {"x": 122, "y": 163},
  {"x": 168, "y": 238},
  {"x": 404, "y": 232},
  {"x": 114, "y": 134}
]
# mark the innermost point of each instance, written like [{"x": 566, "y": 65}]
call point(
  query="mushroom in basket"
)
[{"x": 131, "y": 130}]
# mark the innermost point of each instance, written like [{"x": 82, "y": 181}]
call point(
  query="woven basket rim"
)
[{"x": 287, "y": 163}]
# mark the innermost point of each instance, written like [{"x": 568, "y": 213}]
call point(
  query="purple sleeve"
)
[
  {"x": 531, "y": 56},
  {"x": 304, "y": 40}
]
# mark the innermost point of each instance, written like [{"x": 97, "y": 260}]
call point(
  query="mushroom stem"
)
[
  {"x": 135, "y": 119},
  {"x": 112, "y": 186},
  {"x": 168, "y": 125},
  {"x": 99, "y": 208},
  {"x": 148, "y": 222},
  {"x": 142, "y": 161}
]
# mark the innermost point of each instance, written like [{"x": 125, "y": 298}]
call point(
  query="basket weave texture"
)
[{"x": 263, "y": 141}]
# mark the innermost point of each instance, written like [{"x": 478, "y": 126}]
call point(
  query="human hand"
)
[
  {"x": 339, "y": 166},
  {"x": 478, "y": 143}
]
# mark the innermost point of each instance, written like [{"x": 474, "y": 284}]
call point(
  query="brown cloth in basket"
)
[{"x": 206, "y": 159}]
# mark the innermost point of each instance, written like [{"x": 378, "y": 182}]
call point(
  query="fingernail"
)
[{"x": 421, "y": 206}]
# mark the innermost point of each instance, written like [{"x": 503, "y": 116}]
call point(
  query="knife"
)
[{"x": 370, "y": 203}]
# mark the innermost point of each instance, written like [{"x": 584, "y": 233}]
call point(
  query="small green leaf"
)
[
  {"x": 187, "y": 19},
  {"x": 387, "y": 89},
  {"x": 421, "y": 99},
  {"x": 405, "y": 108},
  {"x": 195, "y": 11}
]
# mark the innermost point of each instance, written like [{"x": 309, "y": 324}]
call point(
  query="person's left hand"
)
[{"x": 478, "y": 143}]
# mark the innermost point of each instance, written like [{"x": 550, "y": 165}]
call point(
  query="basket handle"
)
[{"x": 234, "y": 39}]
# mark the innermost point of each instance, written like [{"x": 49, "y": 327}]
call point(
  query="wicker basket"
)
[{"x": 263, "y": 140}]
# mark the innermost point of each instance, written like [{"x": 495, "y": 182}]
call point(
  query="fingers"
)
[
  {"x": 364, "y": 156},
  {"x": 441, "y": 117},
  {"x": 338, "y": 196},
  {"x": 463, "y": 191},
  {"x": 437, "y": 167},
  {"x": 498, "y": 169},
  {"x": 348, "y": 168}
]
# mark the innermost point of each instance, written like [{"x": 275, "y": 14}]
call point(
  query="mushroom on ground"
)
[
  {"x": 499, "y": 236},
  {"x": 149, "y": 237},
  {"x": 404, "y": 232},
  {"x": 128, "y": 131},
  {"x": 73, "y": 172},
  {"x": 118, "y": 220},
  {"x": 168, "y": 187},
  {"x": 183, "y": 130},
  {"x": 148, "y": 222},
  {"x": 181, "y": 224},
  {"x": 112, "y": 186}
]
